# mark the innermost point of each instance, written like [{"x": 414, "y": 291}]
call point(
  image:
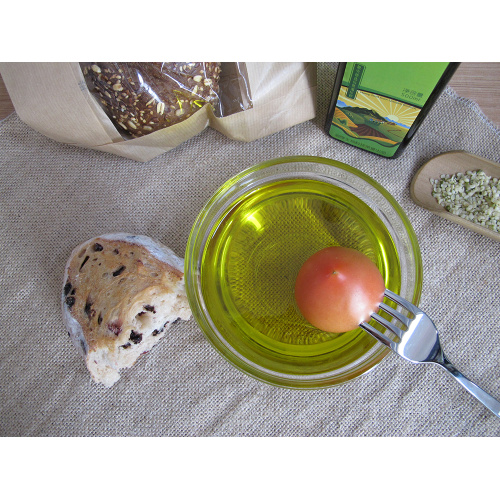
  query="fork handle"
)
[{"x": 489, "y": 401}]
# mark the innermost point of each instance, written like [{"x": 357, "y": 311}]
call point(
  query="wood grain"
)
[
  {"x": 479, "y": 81},
  {"x": 6, "y": 106}
]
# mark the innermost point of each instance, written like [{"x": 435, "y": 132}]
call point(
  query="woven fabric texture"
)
[{"x": 55, "y": 196}]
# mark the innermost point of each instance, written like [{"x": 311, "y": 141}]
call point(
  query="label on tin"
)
[{"x": 379, "y": 102}]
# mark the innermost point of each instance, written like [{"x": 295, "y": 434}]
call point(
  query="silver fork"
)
[{"x": 419, "y": 342}]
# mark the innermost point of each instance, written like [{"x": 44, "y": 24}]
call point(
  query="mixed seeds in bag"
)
[{"x": 141, "y": 98}]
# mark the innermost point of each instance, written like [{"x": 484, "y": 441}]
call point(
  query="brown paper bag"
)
[{"x": 54, "y": 99}]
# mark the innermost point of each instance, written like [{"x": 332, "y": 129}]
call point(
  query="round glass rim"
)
[{"x": 269, "y": 171}]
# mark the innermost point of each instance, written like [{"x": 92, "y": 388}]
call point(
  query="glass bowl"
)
[{"x": 248, "y": 244}]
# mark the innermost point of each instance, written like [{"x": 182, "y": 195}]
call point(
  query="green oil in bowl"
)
[{"x": 251, "y": 260}]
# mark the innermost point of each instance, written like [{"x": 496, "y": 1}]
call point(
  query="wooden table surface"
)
[{"x": 477, "y": 81}]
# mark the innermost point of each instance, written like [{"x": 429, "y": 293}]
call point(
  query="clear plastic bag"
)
[{"x": 141, "y": 98}]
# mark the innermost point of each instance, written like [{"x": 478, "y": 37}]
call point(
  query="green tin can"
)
[{"x": 378, "y": 106}]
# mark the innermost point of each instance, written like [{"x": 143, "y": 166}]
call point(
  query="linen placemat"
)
[{"x": 54, "y": 196}]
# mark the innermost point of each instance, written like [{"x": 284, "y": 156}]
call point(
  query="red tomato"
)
[{"x": 338, "y": 288}]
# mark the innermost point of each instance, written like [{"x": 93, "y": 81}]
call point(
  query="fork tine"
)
[
  {"x": 402, "y": 302},
  {"x": 378, "y": 335},
  {"x": 395, "y": 314},
  {"x": 390, "y": 326}
]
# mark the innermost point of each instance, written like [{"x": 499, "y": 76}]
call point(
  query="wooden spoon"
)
[{"x": 450, "y": 163}]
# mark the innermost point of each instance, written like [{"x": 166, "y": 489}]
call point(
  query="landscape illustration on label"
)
[{"x": 373, "y": 117}]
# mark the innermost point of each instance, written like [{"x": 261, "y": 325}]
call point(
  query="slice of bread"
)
[{"x": 121, "y": 293}]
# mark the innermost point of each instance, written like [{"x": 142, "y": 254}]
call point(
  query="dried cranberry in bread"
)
[
  {"x": 143, "y": 97},
  {"x": 121, "y": 293}
]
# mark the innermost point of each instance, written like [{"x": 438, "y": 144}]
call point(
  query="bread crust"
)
[{"x": 121, "y": 293}]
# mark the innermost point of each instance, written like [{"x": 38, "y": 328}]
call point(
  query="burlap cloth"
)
[{"x": 54, "y": 196}]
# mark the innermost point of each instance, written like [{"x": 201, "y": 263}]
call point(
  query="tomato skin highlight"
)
[{"x": 338, "y": 288}]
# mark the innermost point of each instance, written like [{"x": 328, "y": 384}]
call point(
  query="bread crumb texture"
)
[{"x": 119, "y": 300}]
